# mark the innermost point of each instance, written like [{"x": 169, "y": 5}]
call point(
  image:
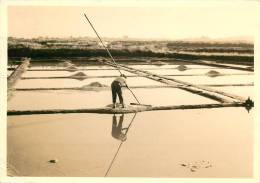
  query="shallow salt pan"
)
[
  {"x": 67, "y": 73},
  {"x": 160, "y": 141},
  {"x": 197, "y": 71},
  {"x": 170, "y": 66},
  {"x": 62, "y": 83},
  {"x": 82, "y": 143},
  {"x": 92, "y": 99},
  {"x": 244, "y": 91},
  {"x": 53, "y": 66},
  {"x": 235, "y": 79},
  {"x": 157, "y": 143}
]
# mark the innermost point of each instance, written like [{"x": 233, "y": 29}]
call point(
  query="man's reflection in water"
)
[{"x": 117, "y": 130}]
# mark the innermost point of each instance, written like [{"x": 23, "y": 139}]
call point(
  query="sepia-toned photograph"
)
[{"x": 119, "y": 90}]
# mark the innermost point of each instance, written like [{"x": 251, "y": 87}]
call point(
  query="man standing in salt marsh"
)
[{"x": 116, "y": 86}]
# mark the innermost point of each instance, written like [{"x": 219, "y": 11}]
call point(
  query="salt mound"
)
[
  {"x": 92, "y": 59},
  {"x": 213, "y": 73},
  {"x": 182, "y": 67},
  {"x": 96, "y": 84},
  {"x": 101, "y": 59},
  {"x": 71, "y": 68},
  {"x": 159, "y": 63},
  {"x": 79, "y": 75}
]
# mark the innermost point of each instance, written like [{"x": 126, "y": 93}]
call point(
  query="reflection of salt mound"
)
[
  {"x": 182, "y": 67},
  {"x": 213, "y": 73},
  {"x": 79, "y": 75},
  {"x": 71, "y": 68}
]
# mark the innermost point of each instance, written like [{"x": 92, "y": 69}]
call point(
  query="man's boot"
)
[{"x": 114, "y": 106}]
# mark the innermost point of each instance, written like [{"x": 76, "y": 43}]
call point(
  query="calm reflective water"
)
[
  {"x": 244, "y": 91},
  {"x": 169, "y": 66},
  {"x": 62, "y": 83},
  {"x": 158, "y": 144},
  {"x": 155, "y": 146},
  {"x": 234, "y": 79},
  {"x": 67, "y": 73},
  {"x": 62, "y": 66},
  {"x": 198, "y": 71},
  {"x": 24, "y": 100},
  {"x": 115, "y": 72}
]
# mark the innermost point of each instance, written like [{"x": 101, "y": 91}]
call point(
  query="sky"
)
[{"x": 135, "y": 22}]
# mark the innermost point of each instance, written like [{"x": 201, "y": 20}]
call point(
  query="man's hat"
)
[{"x": 122, "y": 137}]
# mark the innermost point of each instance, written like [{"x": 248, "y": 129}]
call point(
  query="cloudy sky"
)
[{"x": 173, "y": 22}]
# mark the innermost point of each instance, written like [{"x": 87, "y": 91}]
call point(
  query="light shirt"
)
[{"x": 121, "y": 80}]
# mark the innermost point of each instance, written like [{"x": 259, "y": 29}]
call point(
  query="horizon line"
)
[{"x": 205, "y": 38}]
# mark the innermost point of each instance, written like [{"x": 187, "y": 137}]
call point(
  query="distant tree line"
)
[
  {"x": 208, "y": 44},
  {"x": 50, "y": 53},
  {"x": 220, "y": 50}
]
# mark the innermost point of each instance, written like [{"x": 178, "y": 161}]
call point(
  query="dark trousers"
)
[{"x": 116, "y": 90}]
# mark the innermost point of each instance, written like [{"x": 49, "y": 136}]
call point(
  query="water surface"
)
[
  {"x": 71, "y": 99},
  {"x": 244, "y": 91},
  {"x": 68, "y": 74},
  {"x": 63, "y": 83},
  {"x": 157, "y": 143},
  {"x": 199, "y": 80},
  {"x": 197, "y": 71}
]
